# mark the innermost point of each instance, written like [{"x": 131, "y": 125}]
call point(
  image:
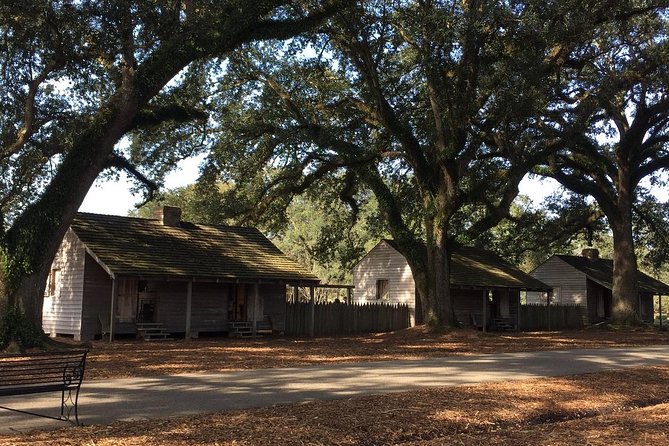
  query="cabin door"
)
[
  {"x": 239, "y": 302},
  {"x": 503, "y": 304},
  {"x": 146, "y": 307},
  {"x": 126, "y": 300}
]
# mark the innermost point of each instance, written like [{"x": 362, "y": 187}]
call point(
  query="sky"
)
[{"x": 115, "y": 198}]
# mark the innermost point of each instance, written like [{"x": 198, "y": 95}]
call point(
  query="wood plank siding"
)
[
  {"x": 97, "y": 299},
  {"x": 646, "y": 309},
  {"x": 61, "y": 312},
  {"x": 569, "y": 285},
  {"x": 383, "y": 262},
  {"x": 274, "y": 300}
]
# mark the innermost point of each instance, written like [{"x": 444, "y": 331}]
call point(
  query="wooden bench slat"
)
[
  {"x": 45, "y": 372},
  {"x": 27, "y": 390}
]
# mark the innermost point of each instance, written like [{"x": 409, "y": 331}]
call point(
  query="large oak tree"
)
[
  {"x": 76, "y": 77},
  {"x": 612, "y": 115},
  {"x": 434, "y": 106}
]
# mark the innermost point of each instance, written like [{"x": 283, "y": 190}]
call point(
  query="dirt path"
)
[
  {"x": 107, "y": 401},
  {"x": 625, "y": 408},
  {"x": 137, "y": 358}
]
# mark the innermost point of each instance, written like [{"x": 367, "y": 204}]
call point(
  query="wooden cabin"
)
[
  {"x": 119, "y": 275},
  {"x": 485, "y": 288},
  {"x": 587, "y": 281}
]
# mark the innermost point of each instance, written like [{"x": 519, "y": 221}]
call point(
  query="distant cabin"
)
[
  {"x": 187, "y": 278},
  {"x": 587, "y": 281},
  {"x": 484, "y": 286}
]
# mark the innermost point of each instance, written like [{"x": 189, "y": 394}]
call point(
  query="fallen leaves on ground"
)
[
  {"x": 611, "y": 408},
  {"x": 139, "y": 358}
]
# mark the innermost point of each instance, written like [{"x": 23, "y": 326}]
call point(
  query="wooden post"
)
[
  {"x": 296, "y": 293},
  {"x": 113, "y": 309},
  {"x": 189, "y": 305},
  {"x": 485, "y": 311},
  {"x": 659, "y": 298},
  {"x": 349, "y": 297},
  {"x": 255, "y": 310},
  {"x": 548, "y": 309},
  {"x": 312, "y": 310},
  {"x": 518, "y": 313}
]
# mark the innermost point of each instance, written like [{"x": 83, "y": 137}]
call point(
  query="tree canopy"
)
[
  {"x": 77, "y": 77},
  {"x": 438, "y": 108},
  {"x": 611, "y": 114}
]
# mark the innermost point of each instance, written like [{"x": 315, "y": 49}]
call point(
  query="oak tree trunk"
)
[
  {"x": 433, "y": 278},
  {"x": 33, "y": 240},
  {"x": 625, "y": 286}
]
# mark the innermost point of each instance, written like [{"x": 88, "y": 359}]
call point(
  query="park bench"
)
[{"x": 32, "y": 373}]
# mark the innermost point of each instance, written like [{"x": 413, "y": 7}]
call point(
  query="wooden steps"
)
[
  {"x": 501, "y": 324},
  {"x": 241, "y": 329},
  {"x": 152, "y": 331},
  {"x": 244, "y": 329}
]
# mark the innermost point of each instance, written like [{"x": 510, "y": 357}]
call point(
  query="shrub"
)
[{"x": 16, "y": 328}]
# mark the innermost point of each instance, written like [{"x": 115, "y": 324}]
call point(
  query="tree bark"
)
[
  {"x": 35, "y": 236},
  {"x": 625, "y": 286},
  {"x": 433, "y": 281}
]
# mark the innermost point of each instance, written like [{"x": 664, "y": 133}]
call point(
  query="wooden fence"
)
[
  {"x": 340, "y": 318},
  {"x": 556, "y": 317}
]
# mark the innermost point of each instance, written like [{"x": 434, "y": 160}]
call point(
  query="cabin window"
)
[
  {"x": 54, "y": 282},
  {"x": 382, "y": 289},
  {"x": 556, "y": 298}
]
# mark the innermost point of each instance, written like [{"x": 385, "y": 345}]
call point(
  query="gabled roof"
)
[
  {"x": 601, "y": 271},
  {"x": 480, "y": 268},
  {"x": 144, "y": 247}
]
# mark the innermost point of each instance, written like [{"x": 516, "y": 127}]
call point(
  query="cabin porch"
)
[{"x": 154, "y": 308}]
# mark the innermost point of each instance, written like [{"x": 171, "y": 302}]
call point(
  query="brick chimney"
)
[
  {"x": 590, "y": 253},
  {"x": 169, "y": 216}
]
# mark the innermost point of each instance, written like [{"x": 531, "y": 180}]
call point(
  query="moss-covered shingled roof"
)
[
  {"x": 601, "y": 271},
  {"x": 137, "y": 246},
  {"x": 479, "y": 268}
]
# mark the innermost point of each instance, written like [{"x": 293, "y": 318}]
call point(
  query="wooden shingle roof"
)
[
  {"x": 601, "y": 271},
  {"x": 144, "y": 247},
  {"x": 480, "y": 268},
  {"x": 483, "y": 268}
]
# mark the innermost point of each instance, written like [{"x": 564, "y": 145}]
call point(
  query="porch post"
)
[
  {"x": 189, "y": 305},
  {"x": 255, "y": 309},
  {"x": 349, "y": 298},
  {"x": 485, "y": 311},
  {"x": 659, "y": 299},
  {"x": 296, "y": 291},
  {"x": 312, "y": 312},
  {"x": 113, "y": 309},
  {"x": 548, "y": 309},
  {"x": 518, "y": 312}
]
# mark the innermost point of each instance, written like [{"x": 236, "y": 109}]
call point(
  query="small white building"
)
[
  {"x": 481, "y": 281},
  {"x": 113, "y": 275},
  {"x": 587, "y": 281}
]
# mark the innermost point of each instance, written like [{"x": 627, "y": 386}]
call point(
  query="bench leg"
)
[{"x": 68, "y": 403}]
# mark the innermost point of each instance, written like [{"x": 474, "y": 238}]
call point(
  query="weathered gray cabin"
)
[
  {"x": 185, "y": 278},
  {"x": 587, "y": 281},
  {"x": 485, "y": 288}
]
